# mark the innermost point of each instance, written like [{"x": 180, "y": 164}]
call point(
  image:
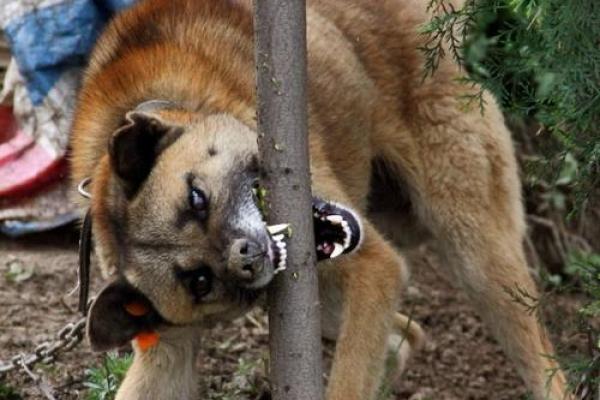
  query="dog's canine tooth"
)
[
  {"x": 282, "y": 264},
  {"x": 337, "y": 250},
  {"x": 347, "y": 230},
  {"x": 280, "y": 268},
  {"x": 278, "y": 238},
  {"x": 336, "y": 219},
  {"x": 347, "y": 233},
  {"x": 275, "y": 229},
  {"x": 346, "y": 241}
]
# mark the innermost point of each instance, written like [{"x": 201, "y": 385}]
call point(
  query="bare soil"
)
[{"x": 461, "y": 360}]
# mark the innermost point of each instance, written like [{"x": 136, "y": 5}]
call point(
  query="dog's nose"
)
[{"x": 246, "y": 259}]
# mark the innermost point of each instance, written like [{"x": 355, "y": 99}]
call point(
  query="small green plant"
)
[
  {"x": 18, "y": 271},
  {"x": 247, "y": 381},
  {"x": 386, "y": 390},
  {"x": 260, "y": 197},
  {"x": 585, "y": 268},
  {"x": 8, "y": 393},
  {"x": 103, "y": 380}
]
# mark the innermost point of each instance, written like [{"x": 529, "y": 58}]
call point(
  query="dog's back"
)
[
  {"x": 200, "y": 54},
  {"x": 185, "y": 51}
]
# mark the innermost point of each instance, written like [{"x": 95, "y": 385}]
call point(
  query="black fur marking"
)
[
  {"x": 135, "y": 147},
  {"x": 109, "y": 324},
  {"x": 85, "y": 248}
]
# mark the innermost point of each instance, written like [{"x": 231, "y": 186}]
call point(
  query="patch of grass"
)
[
  {"x": 247, "y": 382},
  {"x": 386, "y": 390},
  {"x": 18, "y": 271},
  {"x": 8, "y": 393},
  {"x": 586, "y": 268},
  {"x": 103, "y": 380}
]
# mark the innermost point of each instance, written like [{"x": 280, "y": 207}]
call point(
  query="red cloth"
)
[{"x": 24, "y": 165}]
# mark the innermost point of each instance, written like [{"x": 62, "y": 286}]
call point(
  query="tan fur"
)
[
  {"x": 367, "y": 102},
  {"x": 165, "y": 371}
]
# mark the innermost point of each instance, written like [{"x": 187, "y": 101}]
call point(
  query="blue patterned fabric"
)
[{"x": 47, "y": 41}]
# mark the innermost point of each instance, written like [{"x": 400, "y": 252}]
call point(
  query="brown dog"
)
[{"x": 165, "y": 127}]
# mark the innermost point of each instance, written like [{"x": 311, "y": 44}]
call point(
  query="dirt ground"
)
[{"x": 461, "y": 361}]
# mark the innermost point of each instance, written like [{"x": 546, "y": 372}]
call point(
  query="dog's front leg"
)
[
  {"x": 165, "y": 371},
  {"x": 371, "y": 281}
]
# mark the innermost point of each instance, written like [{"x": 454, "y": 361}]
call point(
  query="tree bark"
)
[{"x": 295, "y": 335}]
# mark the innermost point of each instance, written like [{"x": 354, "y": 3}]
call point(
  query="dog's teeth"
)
[
  {"x": 319, "y": 247},
  {"x": 345, "y": 224},
  {"x": 280, "y": 267},
  {"x": 278, "y": 270},
  {"x": 336, "y": 219},
  {"x": 347, "y": 231},
  {"x": 346, "y": 241},
  {"x": 275, "y": 229},
  {"x": 337, "y": 250},
  {"x": 278, "y": 238}
]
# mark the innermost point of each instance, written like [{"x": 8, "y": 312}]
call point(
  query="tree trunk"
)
[{"x": 295, "y": 337}]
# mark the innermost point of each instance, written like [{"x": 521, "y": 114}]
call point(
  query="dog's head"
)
[{"x": 176, "y": 217}]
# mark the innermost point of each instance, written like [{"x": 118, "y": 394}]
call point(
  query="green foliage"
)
[
  {"x": 103, "y": 380},
  {"x": 539, "y": 58},
  {"x": 586, "y": 267},
  {"x": 386, "y": 390},
  {"x": 244, "y": 383},
  {"x": 260, "y": 198},
  {"x": 18, "y": 271},
  {"x": 8, "y": 393}
]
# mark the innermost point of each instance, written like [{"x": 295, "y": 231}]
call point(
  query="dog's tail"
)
[{"x": 410, "y": 330}]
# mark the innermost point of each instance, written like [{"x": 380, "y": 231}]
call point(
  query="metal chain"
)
[{"x": 47, "y": 352}]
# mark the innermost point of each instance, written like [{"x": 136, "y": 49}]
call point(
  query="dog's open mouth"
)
[{"x": 337, "y": 231}]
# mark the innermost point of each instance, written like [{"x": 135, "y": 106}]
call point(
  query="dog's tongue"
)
[{"x": 326, "y": 248}]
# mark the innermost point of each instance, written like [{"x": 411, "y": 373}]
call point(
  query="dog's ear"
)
[
  {"x": 118, "y": 314},
  {"x": 135, "y": 146}
]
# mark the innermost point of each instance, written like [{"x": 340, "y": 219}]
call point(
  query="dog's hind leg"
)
[{"x": 469, "y": 197}]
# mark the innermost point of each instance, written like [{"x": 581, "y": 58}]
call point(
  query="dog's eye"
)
[
  {"x": 198, "y": 202},
  {"x": 202, "y": 283}
]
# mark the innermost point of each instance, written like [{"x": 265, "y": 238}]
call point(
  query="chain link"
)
[{"x": 47, "y": 352}]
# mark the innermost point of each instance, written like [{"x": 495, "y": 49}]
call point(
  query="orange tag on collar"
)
[
  {"x": 136, "y": 309},
  {"x": 147, "y": 340}
]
